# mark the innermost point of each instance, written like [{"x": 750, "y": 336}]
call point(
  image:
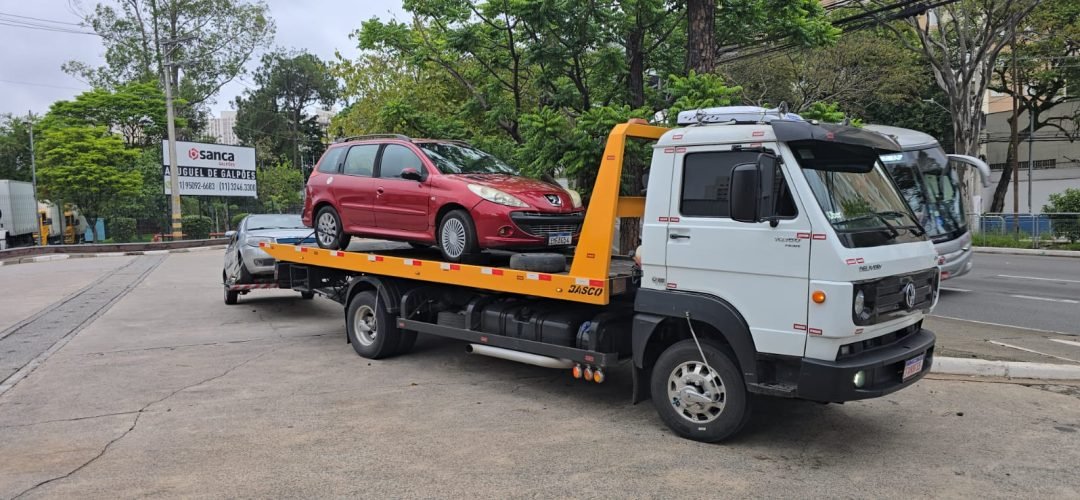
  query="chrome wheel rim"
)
[
  {"x": 327, "y": 229},
  {"x": 365, "y": 326},
  {"x": 453, "y": 237},
  {"x": 696, "y": 393}
]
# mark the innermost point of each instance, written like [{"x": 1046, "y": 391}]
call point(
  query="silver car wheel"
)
[
  {"x": 365, "y": 325},
  {"x": 696, "y": 392},
  {"x": 327, "y": 229},
  {"x": 453, "y": 237}
]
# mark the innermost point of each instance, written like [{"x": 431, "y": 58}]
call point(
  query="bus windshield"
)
[{"x": 931, "y": 189}]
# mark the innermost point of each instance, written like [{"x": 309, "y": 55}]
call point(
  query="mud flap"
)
[{"x": 641, "y": 385}]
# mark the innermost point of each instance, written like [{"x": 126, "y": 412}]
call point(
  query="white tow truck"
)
[{"x": 777, "y": 258}]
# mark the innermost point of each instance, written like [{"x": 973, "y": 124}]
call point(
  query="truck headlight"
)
[
  {"x": 574, "y": 197},
  {"x": 495, "y": 196},
  {"x": 860, "y": 302}
]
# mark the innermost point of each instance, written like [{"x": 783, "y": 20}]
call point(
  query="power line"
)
[
  {"x": 33, "y": 84},
  {"x": 40, "y": 19},
  {"x": 42, "y": 27}
]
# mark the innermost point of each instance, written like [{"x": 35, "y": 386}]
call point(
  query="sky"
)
[{"x": 30, "y": 59}]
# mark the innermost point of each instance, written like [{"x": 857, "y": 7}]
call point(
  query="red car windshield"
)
[{"x": 453, "y": 158}]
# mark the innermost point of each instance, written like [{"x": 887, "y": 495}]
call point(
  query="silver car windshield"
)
[{"x": 273, "y": 221}]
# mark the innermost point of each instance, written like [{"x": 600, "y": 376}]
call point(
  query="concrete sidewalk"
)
[{"x": 988, "y": 350}]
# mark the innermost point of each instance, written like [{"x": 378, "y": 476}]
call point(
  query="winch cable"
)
[{"x": 693, "y": 334}]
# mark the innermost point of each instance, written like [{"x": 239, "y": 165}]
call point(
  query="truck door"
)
[{"x": 762, "y": 271}]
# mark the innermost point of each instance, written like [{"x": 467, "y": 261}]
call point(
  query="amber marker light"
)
[{"x": 818, "y": 296}]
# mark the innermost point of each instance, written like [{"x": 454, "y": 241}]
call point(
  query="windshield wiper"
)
[{"x": 884, "y": 216}]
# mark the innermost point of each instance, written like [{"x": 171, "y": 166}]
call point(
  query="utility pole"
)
[
  {"x": 174, "y": 178},
  {"x": 33, "y": 173},
  {"x": 1015, "y": 141}
]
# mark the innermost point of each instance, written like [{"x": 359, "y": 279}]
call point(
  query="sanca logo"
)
[{"x": 195, "y": 154}]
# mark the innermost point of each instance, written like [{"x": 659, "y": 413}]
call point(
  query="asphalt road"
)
[
  {"x": 169, "y": 393},
  {"x": 1041, "y": 293}
]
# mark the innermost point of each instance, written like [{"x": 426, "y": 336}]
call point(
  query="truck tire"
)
[
  {"x": 538, "y": 262},
  {"x": 329, "y": 233},
  {"x": 372, "y": 331},
  {"x": 457, "y": 236},
  {"x": 695, "y": 402}
]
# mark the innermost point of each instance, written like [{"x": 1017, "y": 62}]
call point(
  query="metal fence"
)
[{"x": 1038, "y": 230}]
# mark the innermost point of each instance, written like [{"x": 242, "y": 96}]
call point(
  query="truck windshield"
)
[
  {"x": 453, "y": 158},
  {"x": 863, "y": 208},
  {"x": 931, "y": 189}
]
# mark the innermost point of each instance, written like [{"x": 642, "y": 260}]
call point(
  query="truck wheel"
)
[
  {"x": 695, "y": 401},
  {"x": 457, "y": 236},
  {"x": 372, "y": 331},
  {"x": 329, "y": 233}
]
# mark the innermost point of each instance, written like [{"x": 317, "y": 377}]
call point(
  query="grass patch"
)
[{"x": 1012, "y": 240}]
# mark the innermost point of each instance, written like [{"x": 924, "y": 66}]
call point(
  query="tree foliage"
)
[
  {"x": 15, "y": 148},
  {"x": 87, "y": 166},
  {"x": 136, "y": 110},
  {"x": 275, "y": 114},
  {"x": 280, "y": 187}
]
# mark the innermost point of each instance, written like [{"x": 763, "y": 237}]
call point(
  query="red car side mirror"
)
[{"x": 412, "y": 174}]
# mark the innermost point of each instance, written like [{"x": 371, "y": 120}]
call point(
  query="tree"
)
[
  {"x": 287, "y": 85},
  {"x": 87, "y": 166},
  {"x": 136, "y": 110},
  {"x": 1047, "y": 55},
  {"x": 15, "y": 148},
  {"x": 214, "y": 40},
  {"x": 1065, "y": 206},
  {"x": 961, "y": 41},
  {"x": 280, "y": 186}
]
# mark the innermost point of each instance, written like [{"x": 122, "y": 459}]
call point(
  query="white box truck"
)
[{"x": 18, "y": 212}]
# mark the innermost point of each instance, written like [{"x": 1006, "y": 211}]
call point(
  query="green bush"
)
[
  {"x": 236, "y": 220},
  {"x": 196, "y": 227},
  {"x": 122, "y": 229},
  {"x": 1066, "y": 225}
]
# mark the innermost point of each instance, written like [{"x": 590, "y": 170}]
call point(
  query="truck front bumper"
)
[{"x": 833, "y": 381}]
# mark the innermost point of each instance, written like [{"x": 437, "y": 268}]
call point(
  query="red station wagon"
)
[{"x": 434, "y": 192}]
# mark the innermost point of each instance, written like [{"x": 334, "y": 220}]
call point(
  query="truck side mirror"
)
[
  {"x": 752, "y": 192},
  {"x": 744, "y": 193}
]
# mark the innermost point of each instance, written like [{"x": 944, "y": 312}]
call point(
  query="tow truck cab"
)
[{"x": 793, "y": 231}]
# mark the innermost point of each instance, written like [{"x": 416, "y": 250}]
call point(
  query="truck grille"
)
[{"x": 885, "y": 297}]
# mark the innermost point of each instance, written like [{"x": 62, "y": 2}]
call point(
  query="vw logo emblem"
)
[{"x": 909, "y": 295}]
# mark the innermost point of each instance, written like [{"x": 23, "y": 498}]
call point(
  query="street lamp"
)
[{"x": 935, "y": 103}]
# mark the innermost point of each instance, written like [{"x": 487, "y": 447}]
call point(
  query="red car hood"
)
[{"x": 540, "y": 195}]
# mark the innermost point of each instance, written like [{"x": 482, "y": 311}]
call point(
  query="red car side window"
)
[
  {"x": 396, "y": 158},
  {"x": 361, "y": 160}
]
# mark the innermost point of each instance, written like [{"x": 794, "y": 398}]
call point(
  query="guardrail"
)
[
  {"x": 14, "y": 253},
  {"x": 1037, "y": 229}
]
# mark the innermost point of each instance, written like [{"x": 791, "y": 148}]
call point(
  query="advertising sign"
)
[{"x": 211, "y": 169}]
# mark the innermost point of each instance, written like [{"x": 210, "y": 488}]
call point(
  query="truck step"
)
[{"x": 773, "y": 389}]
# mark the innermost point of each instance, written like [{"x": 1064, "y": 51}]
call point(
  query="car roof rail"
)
[{"x": 373, "y": 136}]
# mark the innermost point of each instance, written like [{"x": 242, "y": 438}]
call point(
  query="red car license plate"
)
[
  {"x": 913, "y": 366},
  {"x": 556, "y": 239}
]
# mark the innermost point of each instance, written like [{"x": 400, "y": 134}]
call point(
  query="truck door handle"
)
[{"x": 675, "y": 236}]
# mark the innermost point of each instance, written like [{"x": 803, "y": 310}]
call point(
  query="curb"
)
[
  {"x": 64, "y": 256},
  {"x": 1027, "y": 251},
  {"x": 1004, "y": 369}
]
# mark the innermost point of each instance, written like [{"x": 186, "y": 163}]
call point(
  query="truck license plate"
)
[
  {"x": 913, "y": 366},
  {"x": 555, "y": 239}
]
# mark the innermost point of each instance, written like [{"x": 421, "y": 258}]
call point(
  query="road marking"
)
[
  {"x": 1004, "y": 325},
  {"x": 957, "y": 290},
  {"x": 1036, "y": 278},
  {"x": 1031, "y": 351},
  {"x": 1066, "y": 342},
  {"x": 1046, "y": 299}
]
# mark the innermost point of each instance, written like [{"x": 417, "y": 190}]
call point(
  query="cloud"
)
[{"x": 31, "y": 78}]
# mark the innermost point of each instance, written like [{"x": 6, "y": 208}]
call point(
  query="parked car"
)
[
  {"x": 434, "y": 192},
  {"x": 245, "y": 262}
]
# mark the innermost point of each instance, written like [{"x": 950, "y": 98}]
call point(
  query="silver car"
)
[{"x": 245, "y": 262}]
